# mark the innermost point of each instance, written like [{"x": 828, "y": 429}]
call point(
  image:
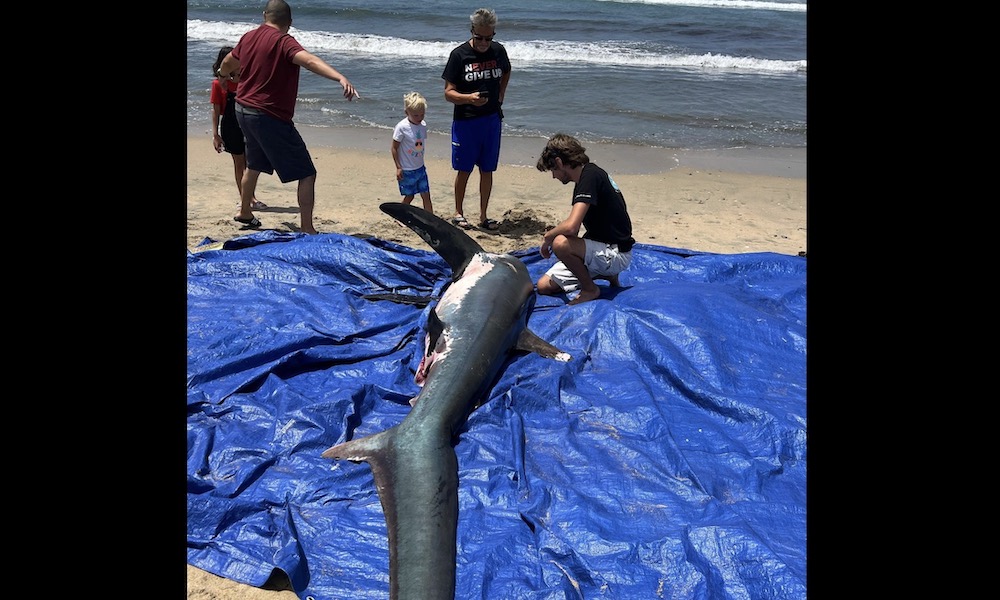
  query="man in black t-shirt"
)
[
  {"x": 605, "y": 250},
  {"x": 475, "y": 81}
]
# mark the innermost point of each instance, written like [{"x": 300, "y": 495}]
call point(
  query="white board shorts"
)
[{"x": 601, "y": 260}]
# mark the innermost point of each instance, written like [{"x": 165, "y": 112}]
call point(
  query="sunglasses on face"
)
[{"x": 483, "y": 38}]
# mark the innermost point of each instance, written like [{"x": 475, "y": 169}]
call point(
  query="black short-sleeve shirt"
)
[
  {"x": 607, "y": 218},
  {"x": 471, "y": 71}
]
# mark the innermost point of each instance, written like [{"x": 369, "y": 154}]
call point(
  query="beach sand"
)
[
  {"x": 729, "y": 202},
  {"x": 674, "y": 200}
]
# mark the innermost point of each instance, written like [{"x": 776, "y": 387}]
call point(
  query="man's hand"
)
[
  {"x": 349, "y": 92},
  {"x": 546, "y": 248}
]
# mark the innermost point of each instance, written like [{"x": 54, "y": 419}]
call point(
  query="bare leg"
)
[
  {"x": 240, "y": 165},
  {"x": 247, "y": 188},
  {"x": 547, "y": 287},
  {"x": 485, "y": 189},
  {"x": 307, "y": 199},
  {"x": 426, "y": 198},
  {"x": 571, "y": 252},
  {"x": 461, "y": 182}
]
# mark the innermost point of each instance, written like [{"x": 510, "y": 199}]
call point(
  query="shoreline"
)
[{"x": 520, "y": 151}]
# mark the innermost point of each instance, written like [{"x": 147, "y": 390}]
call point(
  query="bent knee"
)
[
  {"x": 561, "y": 243},
  {"x": 547, "y": 287}
]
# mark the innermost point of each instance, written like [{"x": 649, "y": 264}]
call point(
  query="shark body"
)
[{"x": 479, "y": 320}]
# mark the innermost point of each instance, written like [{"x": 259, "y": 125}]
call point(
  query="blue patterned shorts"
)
[{"x": 414, "y": 182}]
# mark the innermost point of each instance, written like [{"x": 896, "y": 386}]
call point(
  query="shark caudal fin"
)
[{"x": 451, "y": 243}]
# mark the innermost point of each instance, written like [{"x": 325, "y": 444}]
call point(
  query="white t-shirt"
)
[{"x": 411, "y": 140}]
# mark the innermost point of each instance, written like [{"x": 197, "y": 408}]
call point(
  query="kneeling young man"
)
[{"x": 605, "y": 250}]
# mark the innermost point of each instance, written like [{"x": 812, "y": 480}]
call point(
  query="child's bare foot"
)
[
  {"x": 586, "y": 296},
  {"x": 310, "y": 231}
]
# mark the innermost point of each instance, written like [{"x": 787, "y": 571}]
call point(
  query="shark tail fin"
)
[{"x": 529, "y": 342}]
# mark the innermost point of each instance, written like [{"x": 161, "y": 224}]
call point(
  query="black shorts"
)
[
  {"x": 232, "y": 135},
  {"x": 274, "y": 145}
]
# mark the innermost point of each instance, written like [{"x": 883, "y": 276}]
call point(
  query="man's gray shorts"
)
[{"x": 602, "y": 260}]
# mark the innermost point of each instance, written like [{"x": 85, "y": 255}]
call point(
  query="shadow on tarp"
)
[{"x": 666, "y": 459}]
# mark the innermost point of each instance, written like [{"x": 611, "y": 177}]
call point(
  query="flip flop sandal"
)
[
  {"x": 460, "y": 221},
  {"x": 489, "y": 225},
  {"x": 251, "y": 223},
  {"x": 257, "y": 205}
]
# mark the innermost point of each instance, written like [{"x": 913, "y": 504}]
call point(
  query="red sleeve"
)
[
  {"x": 218, "y": 96},
  {"x": 290, "y": 46}
]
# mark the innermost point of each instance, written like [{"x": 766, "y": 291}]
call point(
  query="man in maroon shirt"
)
[{"x": 268, "y": 61}]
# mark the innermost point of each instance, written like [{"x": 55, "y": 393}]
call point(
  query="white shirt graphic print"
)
[{"x": 411, "y": 138}]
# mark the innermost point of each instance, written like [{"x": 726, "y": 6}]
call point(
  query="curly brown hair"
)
[{"x": 562, "y": 146}]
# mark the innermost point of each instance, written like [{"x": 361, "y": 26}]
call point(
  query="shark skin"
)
[{"x": 479, "y": 320}]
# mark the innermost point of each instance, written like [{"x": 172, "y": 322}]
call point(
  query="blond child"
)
[{"x": 408, "y": 140}]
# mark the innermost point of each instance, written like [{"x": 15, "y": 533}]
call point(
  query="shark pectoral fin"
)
[{"x": 529, "y": 342}]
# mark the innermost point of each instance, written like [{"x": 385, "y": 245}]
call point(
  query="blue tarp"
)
[{"x": 666, "y": 459}]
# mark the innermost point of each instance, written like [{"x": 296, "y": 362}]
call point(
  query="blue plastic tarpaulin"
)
[{"x": 666, "y": 459}]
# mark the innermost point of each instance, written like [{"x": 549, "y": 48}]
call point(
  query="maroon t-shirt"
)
[{"x": 269, "y": 80}]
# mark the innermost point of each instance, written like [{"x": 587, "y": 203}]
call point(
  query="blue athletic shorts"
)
[
  {"x": 275, "y": 145},
  {"x": 476, "y": 143},
  {"x": 414, "y": 182}
]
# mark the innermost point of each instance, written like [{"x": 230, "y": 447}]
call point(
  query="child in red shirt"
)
[{"x": 226, "y": 132}]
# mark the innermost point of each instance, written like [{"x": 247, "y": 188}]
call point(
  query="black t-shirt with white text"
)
[
  {"x": 471, "y": 71},
  {"x": 607, "y": 218}
]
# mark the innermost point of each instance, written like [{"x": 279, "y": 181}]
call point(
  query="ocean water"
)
[{"x": 682, "y": 74}]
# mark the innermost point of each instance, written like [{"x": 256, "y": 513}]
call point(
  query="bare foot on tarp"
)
[{"x": 585, "y": 296}]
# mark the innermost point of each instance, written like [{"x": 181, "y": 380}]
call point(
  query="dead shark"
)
[{"x": 479, "y": 320}]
